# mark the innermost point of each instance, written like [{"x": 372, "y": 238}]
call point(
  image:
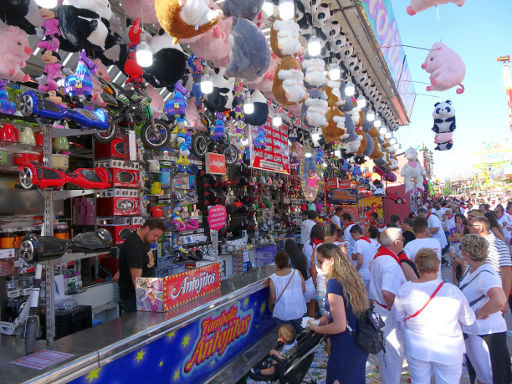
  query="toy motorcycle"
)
[
  {"x": 132, "y": 109},
  {"x": 33, "y": 175}
]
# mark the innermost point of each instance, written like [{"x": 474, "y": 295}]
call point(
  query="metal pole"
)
[{"x": 48, "y": 231}]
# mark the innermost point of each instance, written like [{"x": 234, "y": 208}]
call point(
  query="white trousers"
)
[
  {"x": 478, "y": 353},
  {"x": 422, "y": 371},
  {"x": 390, "y": 362}
]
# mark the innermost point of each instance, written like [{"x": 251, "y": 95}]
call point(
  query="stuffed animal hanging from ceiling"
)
[
  {"x": 24, "y": 14},
  {"x": 288, "y": 87},
  {"x": 145, "y": 9},
  {"x": 446, "y": 68},
  {"x": 248, "y": 9},
  {"x": 80, "y": 83},
  {"x": 444, "y": 117},
  {"x": 314, "y": 109},
  {"x": 420, "y": 5},
  {"x": 413, "y": 172},
  {"x": 183, "y": 19},
  {"x": 131, "y": 68},
  {"x": 284, "y": 38},
  {"x": 14, "y": 52}
]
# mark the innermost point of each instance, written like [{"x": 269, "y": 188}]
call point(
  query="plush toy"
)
[
  {"x": 169, "y": 62},
  {"x": 332, "y": 90},
  {"x": 412, "y": 170},
  {"x": 288, "y": 87},
  {"x": 444, "y": 141},
  {"x": 52, "y": 72},
  {"x": 51, "y": 30},
  {"x": 265, "y": 82},
  {"x": 420, "y": 5},
  {"x": 85, "y": 24},
  {"x": 97, "y": 87},
  {"x": 260, "y": 114},
  {"x": 183, "y": 19},
  {"x": 260, "y": 141},
  {"x": 284, "y": 38},
  {"x": 314, "y": 72},
  {"x": 218, "y": 131},
  {"x": 192, "y": 114},
  {"x": 249, "y": 52},
  {"x": 314, "y": 109},
  {"x": 335, "y": 129},
  {"x": 14, "y": 52},
  {"x": 6, "y": 106},
  {"x": 183, "y": 147},
  {"x": 370, "y": 145},
  {"x": 321, "y": 13},
  {"x": 177, "y": 106},
  {"x": 352, "y": 143},
  {"x": 80, "y": 84},
  {"x": 444, "y": 117},
  {"x": 221, "y": 99},
  {"x": 446, "y": 68},
  {"x": 21, "y": 13},
  {"x": 131, "y": 68},
  {"x": 348, "y": 103},
  {"x": 248, "y": 9},
  {"x": 144, "y": 9}
]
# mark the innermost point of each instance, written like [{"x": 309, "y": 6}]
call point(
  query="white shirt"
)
[
  {"x": 336, "y": 220},
  {"x": 386, "y": 275},
  {"x": 307, "y": 250},
  {"x": 435, "y": 222},
  {"x": 305, "y": 230},
  {"x": 291, "y": 305},
  {"x": 435, "y": 333},
  {"x": 450, "y": 223},
  {"x": 506, "y": 222},
  {"x": 412, "y": 248},
  {"x": 348, "y": 237},
  {"x": 439, "y": 213},
  {"x": 367, "y": 251},
  {"x": 473, "y": 286}
]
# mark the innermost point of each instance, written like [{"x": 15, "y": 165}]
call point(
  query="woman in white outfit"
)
[
  {"x": 431, "y": 312},
  {"x": 299, "y": 262},
  {"x": 287, "y": 293},
  {"x": 486, "y": 340}
]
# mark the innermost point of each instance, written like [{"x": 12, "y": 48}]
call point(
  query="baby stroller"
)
[{"x": 294, "y": 367}]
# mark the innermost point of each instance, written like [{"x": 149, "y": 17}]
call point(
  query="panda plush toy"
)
[
  {"x": 260, "y": 114},
  {"x": 21, "y": 13},
  {"x": 444, "y": 117},
  {"x": 221, "y": 99}
]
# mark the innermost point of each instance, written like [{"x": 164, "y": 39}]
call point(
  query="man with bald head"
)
[{"x": 386, "y": 279}]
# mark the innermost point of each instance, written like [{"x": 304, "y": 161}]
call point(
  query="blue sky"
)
[{"x": 479, "y": 33}]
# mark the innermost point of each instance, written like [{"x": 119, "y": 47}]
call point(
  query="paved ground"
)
[{"x": 319, "y": 366}]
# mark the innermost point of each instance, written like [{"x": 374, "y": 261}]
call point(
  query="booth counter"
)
[{"x": 203, "y": 341}]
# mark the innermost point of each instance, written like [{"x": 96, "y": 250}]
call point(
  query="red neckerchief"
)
[
  {"x": 430, "y": 214},
  {"x": 373, "y": 222},
  {"x": 402, "y": 256},
  {"x": 451, "y": 217},
  {"x": 365, "y": 238},
  {"x": 381, "y": 226},
  {"x": 349, "y": 224},
  {"x": 383, "y": 251},
  {"x": 316, "y": 242}
]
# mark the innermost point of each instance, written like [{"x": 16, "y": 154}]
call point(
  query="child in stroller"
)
[{"x": 293, "y": 362}]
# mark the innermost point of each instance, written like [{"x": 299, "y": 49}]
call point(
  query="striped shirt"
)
[{"x": 498, "y": 255}]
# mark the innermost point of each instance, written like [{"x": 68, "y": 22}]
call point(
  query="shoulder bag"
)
[{"x": 287, "y": 284}]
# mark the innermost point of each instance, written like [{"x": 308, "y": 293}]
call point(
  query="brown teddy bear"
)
[
  {"x": 288, "y": 86},
  {"x": 333, "y": 132},
  {"x": 184, "y": 19},
  {"x": 284, "y": 38}
]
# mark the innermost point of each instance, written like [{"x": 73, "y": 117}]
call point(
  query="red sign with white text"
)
[
  {"x": 275, "y": 156},
  {"x": 187, "y": 286},
  {"x": 217, "y": 217},
  {"x": 215, "y": 163}
]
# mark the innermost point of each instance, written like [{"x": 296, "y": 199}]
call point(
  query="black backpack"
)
[{"x": 370, "y": 336}]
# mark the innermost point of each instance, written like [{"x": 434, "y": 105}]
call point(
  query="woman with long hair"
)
[
  {"x": 346, "y": 300},
  {"x": 495, "y": 227}
]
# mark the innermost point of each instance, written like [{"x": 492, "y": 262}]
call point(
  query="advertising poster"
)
[
  {"x": 354, "y": 212},
  {"x": 272, "y": 155},
  {"x": 369, "y": 205},
  {"x": 194, "y": 352},
  {"x": 342, "y": 196}
]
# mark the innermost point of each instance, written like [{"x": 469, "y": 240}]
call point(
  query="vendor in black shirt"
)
[{"x": 136, "y": 260}]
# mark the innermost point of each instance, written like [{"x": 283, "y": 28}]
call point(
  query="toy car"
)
[
  {"x": 30, "y": 103},
  {"x": 33, "y": 175},
  {"x": 385, "y": 174},
  {"x": 393, "y": 196}
]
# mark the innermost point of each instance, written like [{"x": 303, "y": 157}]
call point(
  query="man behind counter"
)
[{"x": 136, "y": 260}]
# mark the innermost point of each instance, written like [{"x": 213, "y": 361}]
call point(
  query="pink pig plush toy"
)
[
  {"x": 14, "y": 52},
  {"x": 420, "y": 5},
  {"x": 446, "y": 68}
]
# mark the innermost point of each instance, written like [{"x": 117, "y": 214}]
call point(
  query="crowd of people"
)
[{"x": 342, "y": 268}]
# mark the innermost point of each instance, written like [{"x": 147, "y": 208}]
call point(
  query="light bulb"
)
[
  {"x": 370, "y": 116},
  {"x": 144, "y": 55},
  {"x": 268, "y": 8},
  {"x": 245, "y": 141},
  {"x": 314, "y": 46},
  {"x": 308, "y": 154},
  {"x": 377, "y": 123},
  {"x": 248, "y": 105},
  {"x": 388, "y": 135},
  {"x": 324, "y": 165},
  {"x": 361, "y": 102},
  {"x": 350, "y": 89},
  {"x": 277, "y": 121},
  {"x": 47, "y": 4},
  {"x": 337, "y": 153},
  {"x": 286, "y": 9},
  {"x": 206, "y": 85},
  {"x": 315, "y": 136},
  {"x": 334, "y": 72}
]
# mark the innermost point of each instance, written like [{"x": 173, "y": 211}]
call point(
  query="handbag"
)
[
  {"x": 370, "y": 336},
  {"x": 287, "y": 284}
]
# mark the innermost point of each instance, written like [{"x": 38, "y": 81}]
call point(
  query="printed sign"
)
[
  {"x": 162, "y": 295},
  {"x": 275, "y": 156},
  {"x": 215, "y": 163},
  {"x": 217, "y": 217},
  {"x": 380, "y": 16},
  {"x": 333, "y": 184},
  {"x": 342, "y": 196},
  {"x": 369, "y": 205},
  {"x": 42, "y": 359},
  {"x": 193, "y": 352}
]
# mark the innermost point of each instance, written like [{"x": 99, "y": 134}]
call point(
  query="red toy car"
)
[
  {"x": 385, "y": 174},
  {"x": 393, "y": 196},
  {"x": 34, "y": 175}
]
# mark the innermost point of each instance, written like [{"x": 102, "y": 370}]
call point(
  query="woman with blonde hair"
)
[
  {"x": 346, "y": 300},
  {"x": 431, "y": 313}
]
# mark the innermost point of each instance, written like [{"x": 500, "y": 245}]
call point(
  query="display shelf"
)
[
  {"x": 18, "y": 147},
  {"x": 66, "y": 194},
  {"x": 77, "y": 256},
  {"x": 66, "y": 132},
  {"x": 174, "y": 159},
  {"x": 9, "y": 169}
]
